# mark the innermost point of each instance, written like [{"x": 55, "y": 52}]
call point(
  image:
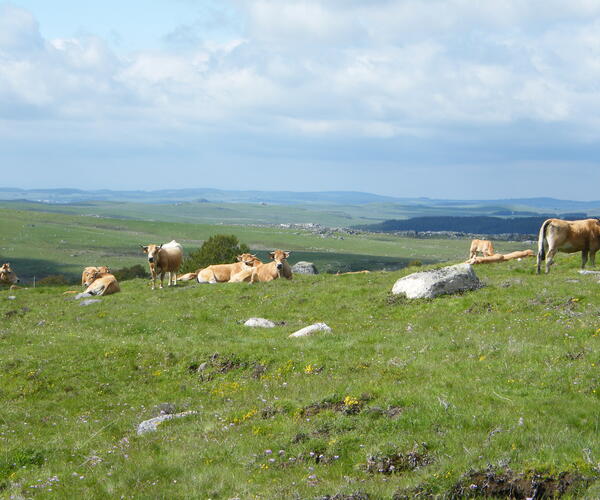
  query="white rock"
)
[
  {"x": 259, "y": 323},
  {"x": 304, "y": 267},
  {"x": 585, "y": 271},
  {"x": 309, "y": 330},
  {"x": 89, "y": 302},
  {"x": 152, "y": 424},
  {"x": 82, "y": 295},
  {"x": 11, "y": 297},
  {"x": 429, "y": 284}
]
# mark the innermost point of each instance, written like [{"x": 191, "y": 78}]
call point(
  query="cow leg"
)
[
  {"x": 162, "y": 279},
  {"x": 584, "y": 258},
  {"x": 174, "y": 273},
  {"x": 550, "y": 258},
  {"x": 153, "y": 280}
]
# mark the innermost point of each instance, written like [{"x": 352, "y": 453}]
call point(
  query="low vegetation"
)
[{"x": 402, "y": 399}]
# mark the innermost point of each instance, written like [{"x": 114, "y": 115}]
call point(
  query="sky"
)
[{"x": 437, "y": 98}]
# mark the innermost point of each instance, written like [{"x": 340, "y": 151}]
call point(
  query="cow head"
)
[
  {"x": 152, "y": 251},
  {"x": 7, "y": 275},
  {"x": 94, "y": 275},
  {"x": 279, "y": 257},
  {"x": 249, "y": 259}
]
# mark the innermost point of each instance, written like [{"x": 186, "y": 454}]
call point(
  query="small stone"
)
[
  {"x": 259, "y": 323},
  {"x": 11, "y": 297},
  {"x": 89, "y": 302},
  {"x": 309, "y": 330}
]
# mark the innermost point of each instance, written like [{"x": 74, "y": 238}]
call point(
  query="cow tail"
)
[{"x": 541, "y": 239}]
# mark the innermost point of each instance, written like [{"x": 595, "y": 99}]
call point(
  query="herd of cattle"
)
[{"x": 555, "y": 235}]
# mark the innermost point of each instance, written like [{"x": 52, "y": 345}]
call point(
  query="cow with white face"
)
[
  {"x": 7, "y": 275},
  {"x": 162, "y": 259}
]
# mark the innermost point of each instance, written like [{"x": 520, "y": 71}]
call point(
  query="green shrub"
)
[
  {"x": 54, "y": 280},
  {"x": 129, "y": 273},
  {"x": 218, "y": 249}
]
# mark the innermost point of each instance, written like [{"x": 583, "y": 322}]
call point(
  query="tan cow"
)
[
  {"x": 162, "y": 259},
  {"x": 89, "y": 270},
  {"x": 569, "y": 237},
  {"x": 277, "y": 268},
  {"x": 101, "y": 283},
  {"x": 8, "y": 276},
  {"x": 486, "y": 259},
  {"x": 519, "y": 254},
  {"x": 187, "y": 277},
  {"x": 484, "y": 246},
  {"x": 221, "y": 273}
]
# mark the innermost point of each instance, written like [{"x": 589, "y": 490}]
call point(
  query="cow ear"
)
[
  {"x": 287, "y": 254},
  {"x": 145, "y": 249},
  {"x": 239, "y": 258},
  {"x": 272, "y": 255}
]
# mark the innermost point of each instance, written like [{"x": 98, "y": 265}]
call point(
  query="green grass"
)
[
  {"x": 40, "y": 244},
  {"x": 505, "y": 375}
]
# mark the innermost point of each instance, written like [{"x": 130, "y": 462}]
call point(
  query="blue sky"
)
[{"x": 446, "y": 99}]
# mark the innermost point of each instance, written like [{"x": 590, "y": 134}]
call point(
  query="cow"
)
[
  {"x": 101, "y": 283},
  {"x": 277, "y": 268},
  {"x": 89, "y": 270},
  {"x": 8, "y": 276},
  {"x": 220, "y": 273},
  {"x": 569, "y": 237},
  {"x": 162, "y": 259},
  {"x": 486, "y": 259},
  {"x": 484, "y": 246},
  {"x": 187, "y": 276},
  {"x": 519, "y": 254}
]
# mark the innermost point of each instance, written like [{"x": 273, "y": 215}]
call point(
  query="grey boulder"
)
[
  {"x": 430, "y": 284},
  {"x": 304, "y": 267}
]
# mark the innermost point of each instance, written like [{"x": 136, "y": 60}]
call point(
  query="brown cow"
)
[
  {"x": 569, "y": 237},
  {"x": 89, "y": 270},
  {"x": 162, "y": 259},
  {"x": 277, "y": 268},
  {"x": 220, "y": 273},
  {"x": 484, "y": 246},
  {"x": 7, "y": 275},
  {"x": 100, "y": 283}
]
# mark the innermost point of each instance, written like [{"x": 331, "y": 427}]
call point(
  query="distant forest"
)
[{"x": 475, "y": 225}]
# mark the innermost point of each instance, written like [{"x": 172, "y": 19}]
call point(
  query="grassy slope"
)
[
  {"x": 39, "y": 243},
  {"x": 75, "y": 381}
]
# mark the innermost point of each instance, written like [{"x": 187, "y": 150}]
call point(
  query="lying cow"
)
[
  {"x": 8, "y": 276},
  {"x": 187, "y": 277},
  {"x": 162, "y": 259},
  {"x": 87, "y": 272},
  {"x": 519, "y": 254},
  {"x": 484, "y": 246},
  {"x": 221, "y": 273},
  {"x": 569, "y": 237},
  {"x": 101, "y": 283},
  {"x": 277, "y": 268}
]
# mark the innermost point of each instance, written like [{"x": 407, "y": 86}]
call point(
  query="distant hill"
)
[{"x": 517, "y": 206}]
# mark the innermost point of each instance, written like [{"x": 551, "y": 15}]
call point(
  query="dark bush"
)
[
  {"x": 130, "y": 273},
  {"x": 218, "y": 249},
  {"x": 54, "y": 280}
]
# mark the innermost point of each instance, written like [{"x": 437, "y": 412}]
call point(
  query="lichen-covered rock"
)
[
  {"x": 430, "y": 284},
  {"x": 152, "y": 424},
  {"x": 304, "y": 267}
]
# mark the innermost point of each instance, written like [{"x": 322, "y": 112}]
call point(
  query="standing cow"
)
[
  {"x": 164, "y": 259},
  {"x": 569, "y": 237},
  {"x": 484, "y": 246}
]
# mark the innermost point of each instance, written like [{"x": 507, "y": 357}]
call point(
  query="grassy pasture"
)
[
  {"x": 506, "y": 376},
  {"x": 40, "y": 244}
]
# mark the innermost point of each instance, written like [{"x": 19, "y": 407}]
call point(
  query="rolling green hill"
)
[
  {"x": 440, "y": 398},
  {"x": 41, "y": 244}
]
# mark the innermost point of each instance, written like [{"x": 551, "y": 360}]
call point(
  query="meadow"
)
[
  {"x": 403, "y": 399},
  {"x": 42, "y": 243}
]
